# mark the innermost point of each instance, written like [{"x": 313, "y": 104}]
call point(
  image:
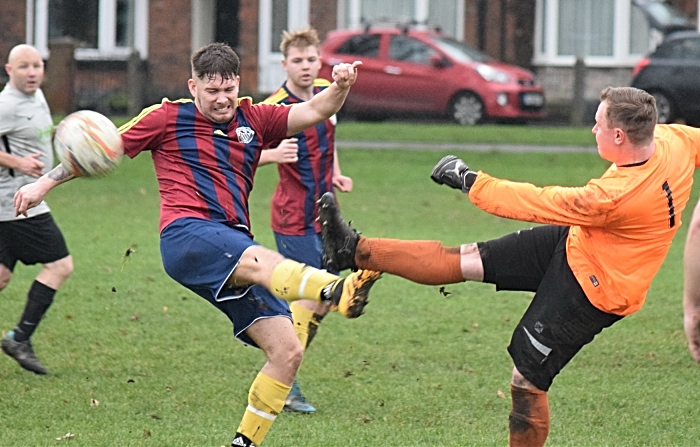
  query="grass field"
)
[{"x": 137, "y": 360}]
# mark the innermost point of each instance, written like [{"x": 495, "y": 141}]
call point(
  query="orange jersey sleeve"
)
[{"x": 622, "y": 223}]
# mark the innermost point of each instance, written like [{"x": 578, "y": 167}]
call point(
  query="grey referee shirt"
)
[{"x": 25, "y": 128}]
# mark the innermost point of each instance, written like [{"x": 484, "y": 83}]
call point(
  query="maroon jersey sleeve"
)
[{"x": 145, "y": 131}]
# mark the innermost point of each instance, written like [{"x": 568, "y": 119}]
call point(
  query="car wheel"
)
[
  {"x": 467, "y": 109},
  {"x": 664, "y": 107}
]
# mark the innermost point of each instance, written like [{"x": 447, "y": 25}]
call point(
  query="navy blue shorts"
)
[
  {"x": 201, "y": 255},
  {"x": 305, "y": 249},
  {"x": 560, "y": 319},
  {"x": 36, "y": 240}
]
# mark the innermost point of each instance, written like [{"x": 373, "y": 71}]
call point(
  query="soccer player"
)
[
  {"x": 205, "y": 153},
  {"x": 308, "y": 167},
  {"x": 26, "y": 153},
  {"x": 590, "y": 265}
]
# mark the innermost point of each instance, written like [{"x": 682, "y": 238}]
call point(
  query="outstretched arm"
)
[
  {"x": 324, "y": 104},
  {"x": 32, "y": 194},
  {"x": 691, "y": 286}
]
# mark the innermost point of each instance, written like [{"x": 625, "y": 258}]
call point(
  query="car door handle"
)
[{"x": 392, "y": 70}]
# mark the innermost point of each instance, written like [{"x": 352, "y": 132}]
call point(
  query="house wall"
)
[
  {"x": 323, "y": 15},
  {"x": 12, "y": 30},
  {"x": 248, "y": 48},
  {"x": 558, "y": 83},
  {"x": 169, "y": 48}
]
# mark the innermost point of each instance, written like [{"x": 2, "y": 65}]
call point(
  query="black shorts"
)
[
  {"x": 36, "y": 240},
  {"x": 560, "y": 319}
]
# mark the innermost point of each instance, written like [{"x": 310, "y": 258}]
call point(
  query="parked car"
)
[
  {"x": 411, "y": 71},
  {"x": 670, "y": 74}
]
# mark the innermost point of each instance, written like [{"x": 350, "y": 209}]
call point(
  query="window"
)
[
  {"x": 392, "y": 10},
  {"x": 74, "y": 18},
  {"x": 407, "y": 49},
  {"x": 363, "y": 45},
  {"x": 604, "y": 32},
  {"x": 585, "y": 28},
  {"x": 279, "y": 23},
  {"x": 639, "y": 32},
  {"x": 102, "y": 29},
  {"x": 448, "y": 15}
]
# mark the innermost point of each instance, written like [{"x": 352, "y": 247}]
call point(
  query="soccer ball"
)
[{"x": 88, "y": 144}]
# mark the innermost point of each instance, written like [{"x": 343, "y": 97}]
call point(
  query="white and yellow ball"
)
[{"x": 88, "y": 144}]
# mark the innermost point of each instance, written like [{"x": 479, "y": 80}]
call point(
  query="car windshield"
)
[{"x": 459, "y": 51}]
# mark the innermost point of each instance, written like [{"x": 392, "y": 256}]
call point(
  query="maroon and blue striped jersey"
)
[
  {"x": 301, "y": 184},
  {"x": 204, "y": 169}
]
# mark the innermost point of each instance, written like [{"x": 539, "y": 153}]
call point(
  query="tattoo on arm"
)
[{"x": 59, "y": 173}]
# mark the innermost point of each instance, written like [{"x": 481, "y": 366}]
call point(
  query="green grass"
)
[
  {"x": 419, "y": 369},
  {"x": 449, "y": 133}
]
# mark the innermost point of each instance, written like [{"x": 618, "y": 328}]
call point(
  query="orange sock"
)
[
  {"x": 423, "y": 262},
  {"x": 529, "y": 417}
]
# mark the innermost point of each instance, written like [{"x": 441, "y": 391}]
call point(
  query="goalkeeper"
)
[{"x": 589, "y": 266}]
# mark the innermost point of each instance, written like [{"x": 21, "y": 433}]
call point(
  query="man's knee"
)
[
  {"x": 62, "y": 268},
  {"x": 520, "y": 381}
]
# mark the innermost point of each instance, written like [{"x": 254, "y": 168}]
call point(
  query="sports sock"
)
[
  {"x": 39, "y": 300},
  {"x": 293, "y": 280},
  {"x": 265, "y": 401},
  {"x": 423, "y": 262},
  {"x": 529, "y": 417},
  {"x": 305, "y": 323}
]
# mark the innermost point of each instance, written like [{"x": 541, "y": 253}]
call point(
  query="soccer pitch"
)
[{"x": 137, "y": 360}]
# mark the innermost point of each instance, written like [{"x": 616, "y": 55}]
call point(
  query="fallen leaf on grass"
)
[
  {"x": 501, "y": 394},
  {"x": 444, "y": 291},
  {"x": 66, "y": 436}
]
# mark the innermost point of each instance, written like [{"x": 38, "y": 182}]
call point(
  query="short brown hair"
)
[
  {"x": 215, "y": 59},
  {"x": 632, "y": 110},
  {"x": 299, "y": 39}
]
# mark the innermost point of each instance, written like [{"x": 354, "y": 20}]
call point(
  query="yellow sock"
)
[
  {"x": 265, "y": 402},
  {"x": 293, "y": 280},
  {"x": 305, "y": 323}
]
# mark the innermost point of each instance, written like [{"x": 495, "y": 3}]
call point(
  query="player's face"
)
[
  {"x": 302, "y": 65},
  {"x": 215, "y": 98},
  {"x": 25, "y": 69},
  {"x": 605, "y": 136}
]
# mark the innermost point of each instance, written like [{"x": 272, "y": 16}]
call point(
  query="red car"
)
[{"x": 408, "y": 71}]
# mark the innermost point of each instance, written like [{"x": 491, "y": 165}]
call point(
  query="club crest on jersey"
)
[{"x": 245, "y": 134}]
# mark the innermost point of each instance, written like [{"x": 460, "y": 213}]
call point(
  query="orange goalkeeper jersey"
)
[{"x": 622, "y": 223}]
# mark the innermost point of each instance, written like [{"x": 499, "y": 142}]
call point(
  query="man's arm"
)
[
  {"x": 343, "y": 183},
  {"x": 286, "y": 152},
  {"x": 587, "y": 205},
  {"x": 29, "y": 165},
  {"x": 32, "y": 194},
  {"x": 691, "y": 286},
  {"x": 324, "y": 104}
]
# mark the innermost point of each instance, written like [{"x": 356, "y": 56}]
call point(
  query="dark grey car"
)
[{"x": 671, "y": 75}]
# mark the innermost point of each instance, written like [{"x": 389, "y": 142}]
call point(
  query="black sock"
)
[
  {"x": 241, "y": 441},
  {"x": 39, "y": 300}
]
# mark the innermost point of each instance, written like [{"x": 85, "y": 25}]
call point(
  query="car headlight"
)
[{"x": 491, "y": 74}]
